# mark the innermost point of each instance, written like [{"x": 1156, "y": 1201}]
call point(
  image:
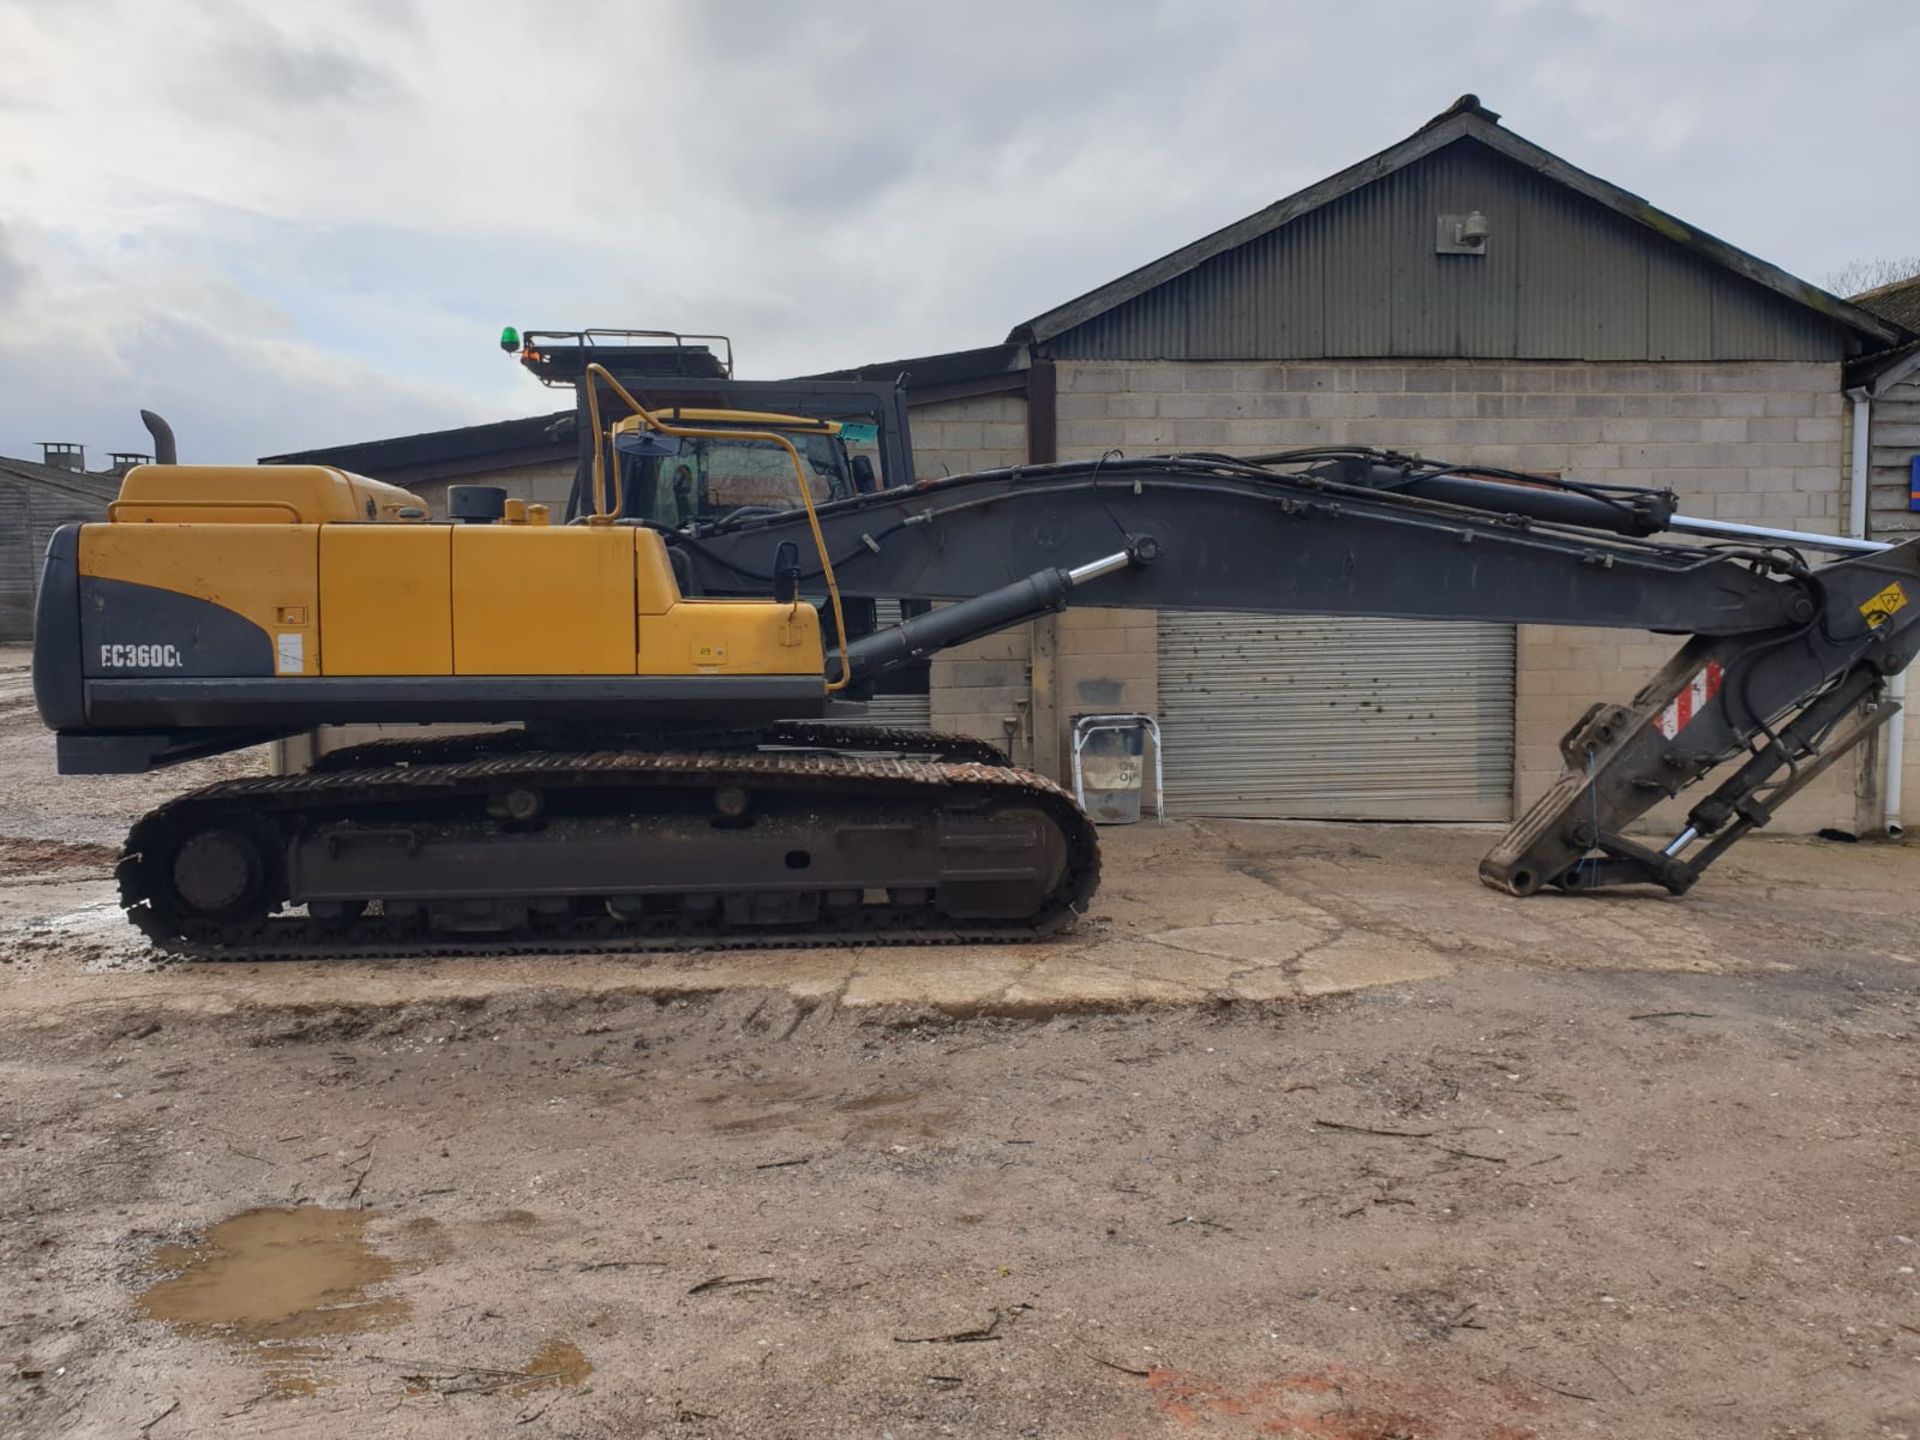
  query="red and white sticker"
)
[{"x": 1690, "y": 701}]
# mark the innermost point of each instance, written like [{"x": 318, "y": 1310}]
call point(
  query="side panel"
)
[
  {"x": 161, "y": 599},
  {"x": 655, "y": 589},
  {"x": 58, "y": 690},
  {"x": 537, "y": 601},
  {"x": 386, "y": 599},
  {"x": 716, "y": 637},
  {"x": 732, "y": 637}
]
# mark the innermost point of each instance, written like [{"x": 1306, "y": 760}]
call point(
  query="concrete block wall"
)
[
  {"x": 1107, "y": 660},
  {"x": 547, "y": 485},
  {"x": 977, "y": 689},
  {"x": 957, "y": 437},
  {"x": 1760, "y": 442}
]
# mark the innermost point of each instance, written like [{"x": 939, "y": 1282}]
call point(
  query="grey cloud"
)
[
  {"x": 14, "y": 274},
  {"x": 258, "y": 71},
  {"x": 832, "y": 106},
  {"x": 81, "y": 364},
  {"x": 302, "y": 73},
  {"x": 232, "y": 398},
  {"x": 833, "y": 183}
]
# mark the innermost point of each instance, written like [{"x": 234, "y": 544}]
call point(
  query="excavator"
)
[{"x": 681, "y": 666}]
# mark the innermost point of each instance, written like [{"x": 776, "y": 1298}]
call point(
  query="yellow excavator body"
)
[{"x": 342, "y": 576}]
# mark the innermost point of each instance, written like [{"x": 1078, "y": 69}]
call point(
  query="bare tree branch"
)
[{"x": 1856, "y": 277}]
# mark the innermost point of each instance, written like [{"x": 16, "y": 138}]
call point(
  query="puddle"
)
[
  {"x": 275, "y": 1281},
  {"x": 556, "y": 1365},
  {"x": 98, "y": 933}
]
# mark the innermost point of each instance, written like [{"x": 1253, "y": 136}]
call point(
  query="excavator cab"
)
[
  {"x": 672, "y": 481},
  {"x": 853, "y": 434}
]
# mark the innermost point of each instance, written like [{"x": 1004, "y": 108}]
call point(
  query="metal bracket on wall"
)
[{"x": 1461, "y": 234}]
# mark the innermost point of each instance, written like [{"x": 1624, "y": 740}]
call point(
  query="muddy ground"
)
[{"x": 1302, "y": 1133}]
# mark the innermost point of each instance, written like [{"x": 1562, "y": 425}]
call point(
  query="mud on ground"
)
[{"x": 1303, "y": 1133}]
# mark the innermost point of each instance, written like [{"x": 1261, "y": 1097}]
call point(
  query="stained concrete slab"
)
[
  {"x": 1193, "y": 912},
  {"x": 1357, "y": 962}
]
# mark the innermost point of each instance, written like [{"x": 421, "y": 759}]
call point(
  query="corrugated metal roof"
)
[
  {"x": 1898, "y": 302},
  {"x": 948, "y": 367},
  {"x": 1576, "y": 268},
  {"x": 81, "y": 484},
  {"x": 526, "y": 440},
  {"x": 34, "y": 500}
]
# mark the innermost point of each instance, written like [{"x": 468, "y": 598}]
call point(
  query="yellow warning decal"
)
[{"x": 1884, "y": 606}]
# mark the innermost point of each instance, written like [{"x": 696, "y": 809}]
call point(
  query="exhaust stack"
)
[{"x": 164, "y": 452}]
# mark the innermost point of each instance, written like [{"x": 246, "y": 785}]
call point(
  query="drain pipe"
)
[
  {"x": 1857, "y": 489},
  {"x": 1896, "y": 756},
  {"x": 1894, "y": 751}
]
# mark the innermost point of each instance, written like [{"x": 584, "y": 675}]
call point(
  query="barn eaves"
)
[
  {"x": 1899, "y": 303},
  {"x": 449, "y": 454}
]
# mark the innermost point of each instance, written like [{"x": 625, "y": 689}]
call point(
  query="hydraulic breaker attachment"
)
[{"x": 1793, "y": 700}]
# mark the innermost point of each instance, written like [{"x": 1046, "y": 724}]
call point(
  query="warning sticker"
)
[
  {"x": 1694, "y": 698},
  {"x": 1884, "y": 606},
  {"x": 290, "y": 653}
]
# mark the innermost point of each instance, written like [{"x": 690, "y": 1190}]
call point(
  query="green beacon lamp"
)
[{"x": 509, "y": 339}]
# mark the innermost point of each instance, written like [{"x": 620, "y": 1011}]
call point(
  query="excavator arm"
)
[{"x": 1785, "y": 666}]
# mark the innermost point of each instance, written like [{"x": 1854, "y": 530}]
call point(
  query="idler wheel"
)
[{"x": 218, "y": 872}]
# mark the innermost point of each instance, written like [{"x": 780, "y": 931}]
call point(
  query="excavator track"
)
[
  {"x": 843, "y": 737},
  {"x": 512, "y": 843}
]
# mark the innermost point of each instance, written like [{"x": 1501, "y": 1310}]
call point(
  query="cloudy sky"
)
[{"x": 290, "y": 224}]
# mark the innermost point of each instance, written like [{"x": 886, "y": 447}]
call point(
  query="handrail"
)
[
  {"x": 291, "y": 509},
  {"x": 602, "y": 494}
]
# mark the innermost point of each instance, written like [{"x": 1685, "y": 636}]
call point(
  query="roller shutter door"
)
[
  {"x": 913, "y": 712},
  {"x": 910, "y": 712},
  {"x": 1270, "y": 717}
]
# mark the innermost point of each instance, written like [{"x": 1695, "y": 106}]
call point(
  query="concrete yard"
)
[{"x": 1301, "y": 1132}]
